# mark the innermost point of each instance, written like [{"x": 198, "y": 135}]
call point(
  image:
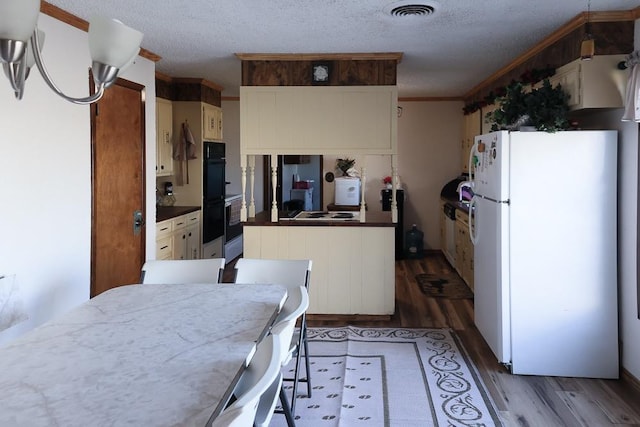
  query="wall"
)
[
  {"x": 627, "y": 229},
  {"x": 45, "y": 171},
  {"x": 429, "y": 150},
  {"x": 628, "y": 245},
  {"x": 231, "y": 113},
  {"x": 628, "y": 140}
]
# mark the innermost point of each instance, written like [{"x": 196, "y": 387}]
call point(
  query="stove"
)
[{"x": 327, "y": 216}]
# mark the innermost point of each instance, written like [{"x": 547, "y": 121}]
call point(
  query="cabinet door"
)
[
  {"x": 164, "y": 248},
  {"x": 192, "y": 244},
  {"x": 164, "y": 137},
  {"x": 312, "y": 120},
  {"x": 568, "y": 77},
  {"x": 211, "y": 122}
]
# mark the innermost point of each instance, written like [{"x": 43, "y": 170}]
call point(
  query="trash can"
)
[{"x": 414, "y": 243}]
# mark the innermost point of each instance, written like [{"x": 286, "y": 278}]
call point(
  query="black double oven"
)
[{"x": 213, "y": 191}]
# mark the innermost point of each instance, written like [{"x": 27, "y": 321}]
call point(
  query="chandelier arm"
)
[
  {"x": 16, "y": 73},
  {"x": 35, "y": 45}
]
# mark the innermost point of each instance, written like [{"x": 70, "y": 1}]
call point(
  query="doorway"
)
[
  {"x": 118, "y": 171},
  {"x": 307, "y": 169}
]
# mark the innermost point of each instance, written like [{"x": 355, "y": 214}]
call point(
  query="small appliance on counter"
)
[
  {"x": 347, "y": 191},
  {"x": 168, "y": 199}
]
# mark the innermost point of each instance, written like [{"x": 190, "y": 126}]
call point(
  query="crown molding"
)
[{"x": 575, "y": 23}]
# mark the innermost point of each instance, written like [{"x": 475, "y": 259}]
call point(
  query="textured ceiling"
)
[{"x": 445, "y": 54}]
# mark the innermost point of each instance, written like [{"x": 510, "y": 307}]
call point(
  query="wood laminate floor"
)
[{"x": 522, "y": 400}]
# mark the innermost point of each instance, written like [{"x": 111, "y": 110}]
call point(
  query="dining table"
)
[{"x": 152, "y": 355}]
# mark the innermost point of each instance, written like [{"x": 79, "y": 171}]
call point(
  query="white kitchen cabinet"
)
[
  {"x": 318, "y": 120},
  {"x": 164, "y": 137},
  {"x": 186, "y": 240},
  {"x": 597, "y": 83},
  {"x": 464, "y": 248},
  {"x": 472, "y": 126},
  {"x": 179, "y": 237},
  {"x": 164, "y": 239},
  {"x": 211, "y": 123},
  {"x": 353, "y": 267}
]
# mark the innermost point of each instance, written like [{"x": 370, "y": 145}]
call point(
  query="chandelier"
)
[{"x": 113, "y": 47}]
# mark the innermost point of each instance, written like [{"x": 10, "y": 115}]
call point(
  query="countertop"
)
[
  {"x": 455, "y": 202},
  {"x": 168, "y": 212},
  {"x": 373, "y": 219}
]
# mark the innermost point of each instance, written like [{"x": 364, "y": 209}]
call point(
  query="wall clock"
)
[{"x": 321, "y": 71}]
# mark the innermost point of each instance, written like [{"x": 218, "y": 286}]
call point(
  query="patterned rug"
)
[
  {"x": 390, "y": 377},
  {"x": 444, "y": 286}
]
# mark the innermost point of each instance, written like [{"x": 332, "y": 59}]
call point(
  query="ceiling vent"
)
[{"x": 411, "y": 9}]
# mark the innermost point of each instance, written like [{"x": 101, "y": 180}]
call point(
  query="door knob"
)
[{"x": 138, "y": 222}]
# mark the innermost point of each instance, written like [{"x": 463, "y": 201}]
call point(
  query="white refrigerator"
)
[{"x": 544, "y": 229}]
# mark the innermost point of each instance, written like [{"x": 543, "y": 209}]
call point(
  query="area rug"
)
[
  {"x": 390, "y": 377},
  {"x": 443, "y": 286}
]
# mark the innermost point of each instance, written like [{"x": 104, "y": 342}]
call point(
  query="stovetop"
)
[{"x": 327, "y": 216}]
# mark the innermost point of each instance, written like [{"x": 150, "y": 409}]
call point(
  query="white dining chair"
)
[
  {"x": 183, "y": 271},
  {"x": 263, "y": 370},
  {"x": 284, "y": 329},
  {"x": 292, "y": 274}
]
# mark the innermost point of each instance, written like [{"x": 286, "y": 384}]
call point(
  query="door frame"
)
[{"x": 93, "y": 113}]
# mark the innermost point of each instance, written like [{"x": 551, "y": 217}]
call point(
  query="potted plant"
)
[
  {"x": 345, "y": 164},
  {"x": 544, "y": 108}
]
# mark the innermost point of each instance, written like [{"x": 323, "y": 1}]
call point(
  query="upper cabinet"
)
[
  {"x": 318, "y": 120},
  {"x": 472, "y": 126},
  {"x": 211, "y": 123},
  {"x": 164, "y": 137},
  {"x": 597, "y": 83}
]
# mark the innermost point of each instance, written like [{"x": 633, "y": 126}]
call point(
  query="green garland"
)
[{"x": 532, "y": 77}]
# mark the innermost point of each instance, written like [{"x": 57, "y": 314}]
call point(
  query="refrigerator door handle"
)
[
  {"x": 472, "y": 227},
  {"x": 472, "y": 163}
]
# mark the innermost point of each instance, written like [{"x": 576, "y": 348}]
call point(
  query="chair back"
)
[
  {"x": 262, "y": 372},
  {"x": 283, "y": 330},
  {"x": 295, "y": 306},
  {"x": 286, "y": 272},
  {"x": 183, "y": 272}
]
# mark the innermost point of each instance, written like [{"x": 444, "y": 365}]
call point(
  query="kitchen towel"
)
[
  {"x": 183, "y": 151},
  {"x": 632, "y": 99}
]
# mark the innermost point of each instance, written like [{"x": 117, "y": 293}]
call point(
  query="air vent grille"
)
[{"x": 413, "y": 10}]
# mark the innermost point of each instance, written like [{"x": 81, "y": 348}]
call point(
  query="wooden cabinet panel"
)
[
  {"x": 179, "y": 237},
  {"x": 596, "y": 83},
  {"x": 464, "y": 248},
  {"x": 318, "y": 120},
  {"x": 353, "y": 267},
  {"x": 472, "y": 126},
  {"x": 164, "y": 137},
  {"x": 211, "y": 123}
]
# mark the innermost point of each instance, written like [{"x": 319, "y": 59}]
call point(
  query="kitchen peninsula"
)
[
  {"x": 353, "y": 113},
  {"x": 353, "y": 262}
]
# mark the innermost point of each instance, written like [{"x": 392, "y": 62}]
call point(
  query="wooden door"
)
[{"x": 118, "y": 135}]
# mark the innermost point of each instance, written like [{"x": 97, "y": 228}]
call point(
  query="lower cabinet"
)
[
  {"x": 179, "y": 237},
  {"x": 464, "y": 248},
  {"x": 353, "y": 267}
]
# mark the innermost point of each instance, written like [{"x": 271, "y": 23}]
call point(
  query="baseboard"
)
[
  {"x": 626, "y": 377},
  {"x": 349, "y": 318}
]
